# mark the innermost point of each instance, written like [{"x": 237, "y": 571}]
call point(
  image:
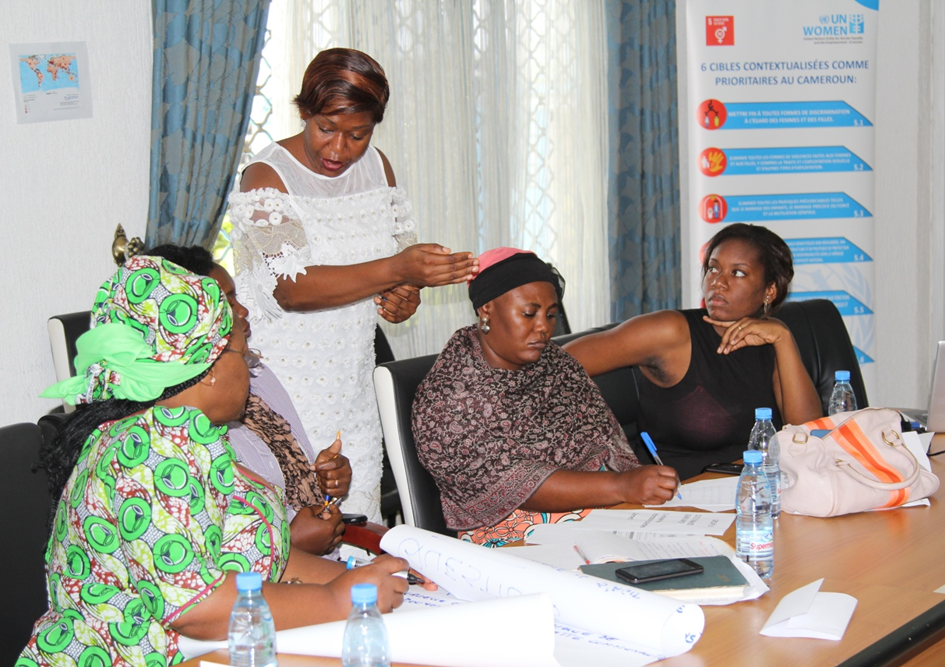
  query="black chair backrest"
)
[
  {"x": 25, "y": 496},
  {"x": 825, "y": 346},
  {"x": 421, "y": 497}
]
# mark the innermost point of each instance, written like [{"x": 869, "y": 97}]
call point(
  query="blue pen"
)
[{"x": 648, "y": 441}]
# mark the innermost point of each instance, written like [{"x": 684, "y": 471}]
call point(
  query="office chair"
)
[
  {"x": 824, "y": 344},
  {"x": 395, "y": 384},
  {"x": 25, "y": 496},
  {"x": 63, "y": 332},
  {"x": 390, "y": 497}
]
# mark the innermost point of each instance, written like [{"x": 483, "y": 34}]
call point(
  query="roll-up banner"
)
[{"x": 780, "y": 120}]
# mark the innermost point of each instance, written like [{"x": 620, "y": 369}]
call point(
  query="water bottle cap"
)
[
  {"x": 763, "y": 413},
  {"x": 752, "y": 456},
  {"x": 842, "y": 376},
  {"x": 364, "y": 594},
  {"x": 248, "y": 581}
]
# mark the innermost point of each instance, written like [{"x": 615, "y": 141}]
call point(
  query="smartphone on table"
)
[
  {"x": 354, "y": 519},
  {"x": 724, "y": 468},
  {"x": 660, "y": 569}
]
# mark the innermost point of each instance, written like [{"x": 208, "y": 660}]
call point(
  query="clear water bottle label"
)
[{"x": 755, "y": 544}]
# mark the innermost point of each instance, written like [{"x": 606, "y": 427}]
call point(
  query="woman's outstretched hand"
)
[
  {"x": 432, "y": 265},
  {"x": 748, "y": 332},
  {"x": 398, "y": 303}
]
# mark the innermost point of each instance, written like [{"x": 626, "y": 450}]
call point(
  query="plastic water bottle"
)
[
  {"x": 765, "y": 439},
  {"x": 365, "y": 642},
  {"x": 754, "y": 527},
  {"x": 252, "y": 635},
  {"x": 842, "y": 399}
]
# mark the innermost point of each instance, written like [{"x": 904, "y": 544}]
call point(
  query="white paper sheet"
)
[
  {"x": 574, "y": 647},
  {"x": 558, "y": 556},
  {"x": 661, "y": 627},
  {"x": 711, "y": 495},
  {"x": 918, "y": 444},
  {"x": 655, "y": 521},
  {"x": 555, "y": 546},
  {"x": 431, "y": 636},
  {"x": 806, "y": 612}
]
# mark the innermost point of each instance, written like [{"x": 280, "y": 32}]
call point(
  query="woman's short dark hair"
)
[
  {"x": 773, "y": 253},
  {"x": 343, "y": 81}
]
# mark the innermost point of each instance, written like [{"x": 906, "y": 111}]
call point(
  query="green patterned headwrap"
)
[{"x": 154, "y": 326}]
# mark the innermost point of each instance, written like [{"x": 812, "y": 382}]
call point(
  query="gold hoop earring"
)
[{"x": 484, "y": 325}]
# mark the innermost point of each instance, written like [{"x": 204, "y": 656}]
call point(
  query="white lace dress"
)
[{"x": 325, "y": 358}]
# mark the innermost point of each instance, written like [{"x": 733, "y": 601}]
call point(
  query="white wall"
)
[
  {"x": 908, "y": 227},
  {"x": 65, "y": 185}
]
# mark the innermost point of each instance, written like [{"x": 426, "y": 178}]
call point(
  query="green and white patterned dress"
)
[{"x": 153, "y": 516}]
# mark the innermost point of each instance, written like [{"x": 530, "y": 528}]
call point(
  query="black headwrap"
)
[{"x": 519, "y": 269}]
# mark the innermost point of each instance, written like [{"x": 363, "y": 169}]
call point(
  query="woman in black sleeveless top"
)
[{"x": 701, "y": 373}]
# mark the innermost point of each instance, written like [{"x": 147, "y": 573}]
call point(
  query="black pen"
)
[{"x": 354, "y": 561}]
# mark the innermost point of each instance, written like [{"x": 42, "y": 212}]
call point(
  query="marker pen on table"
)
[
  {"x": 648, "y": 441},
  {"x": 354, "y": 561},
  {"x": 582, "y": 555}
]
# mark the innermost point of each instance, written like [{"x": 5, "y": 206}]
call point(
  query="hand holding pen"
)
[
  {"x": 329, "y": 503},
  {"x": 650, "y": 445},
  {"x": 409, "y": 575}
]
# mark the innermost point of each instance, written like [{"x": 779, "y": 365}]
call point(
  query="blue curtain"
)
[
  {"x": 643, "y": 202},
  {"x": 206, "y": 57}
]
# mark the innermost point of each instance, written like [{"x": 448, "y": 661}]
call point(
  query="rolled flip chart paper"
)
[
  {"x": 471, "y": 572},
  {"x": 431, "y": 636}
]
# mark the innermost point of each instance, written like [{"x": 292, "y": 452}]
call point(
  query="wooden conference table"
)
[{"x": 891, "y": 562}]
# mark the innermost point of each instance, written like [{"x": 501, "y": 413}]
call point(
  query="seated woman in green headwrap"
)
[{"x": 152, "y": 512}]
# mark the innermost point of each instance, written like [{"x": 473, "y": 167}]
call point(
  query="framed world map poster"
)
[{"x": 51, "y": 81}]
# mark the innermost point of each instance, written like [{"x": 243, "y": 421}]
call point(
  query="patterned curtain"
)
[
  {"x": 206, "y": 57},
  {"x": 643, "y": 197},
  {"x": 495, "y": 129}
]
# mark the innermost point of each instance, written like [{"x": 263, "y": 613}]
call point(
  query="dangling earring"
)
[
  {"x": 484, "y": 325},
  {"x": 767, "y": 303},
  {"x": 213, "y": 380}
]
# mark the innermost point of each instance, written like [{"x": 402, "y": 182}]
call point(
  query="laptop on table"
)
[{"x": 934, "y": 418}]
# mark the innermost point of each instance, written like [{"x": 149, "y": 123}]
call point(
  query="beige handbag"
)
[{"x": 859, "y": 465}]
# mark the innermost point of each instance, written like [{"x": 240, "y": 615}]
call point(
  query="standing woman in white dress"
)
[{"x": 324, "y": 241}]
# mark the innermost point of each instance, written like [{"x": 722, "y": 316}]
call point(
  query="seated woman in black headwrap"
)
[{"x": 511, "y": 427}]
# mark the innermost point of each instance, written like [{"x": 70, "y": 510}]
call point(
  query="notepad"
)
[{"x": 721, "y": 579}]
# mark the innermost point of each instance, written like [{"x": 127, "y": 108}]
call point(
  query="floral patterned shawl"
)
[{"x": 490, "y": 437}]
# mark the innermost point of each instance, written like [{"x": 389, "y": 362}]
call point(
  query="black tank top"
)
[{"x": 707, "y": 416}]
